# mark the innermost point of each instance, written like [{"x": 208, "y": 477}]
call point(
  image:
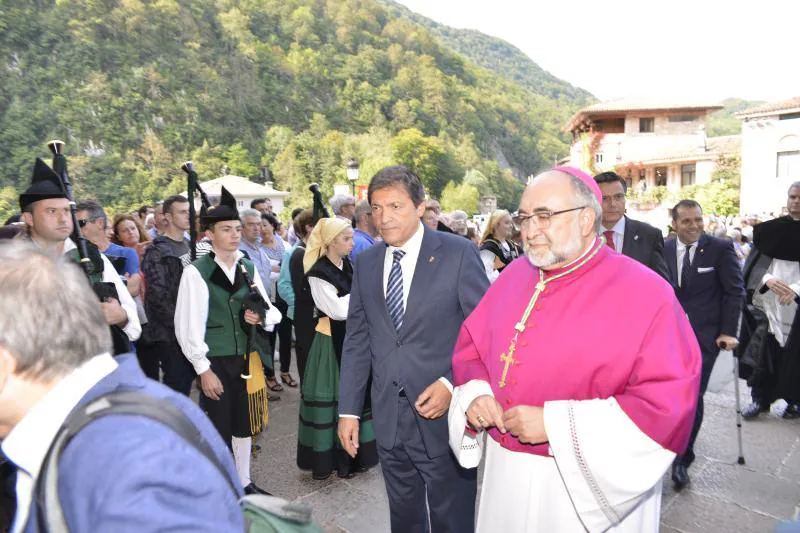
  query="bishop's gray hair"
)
[
  {"x": 586, "y": 197},
  {"x": 50, "y": 318}
]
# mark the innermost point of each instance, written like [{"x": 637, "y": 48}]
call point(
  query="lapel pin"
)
[
  {"x": 701, "y": 250},
  {"x": 430, "y": 259},
  {"x": 635, "y": 237}
]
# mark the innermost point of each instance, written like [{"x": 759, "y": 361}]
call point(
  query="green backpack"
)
[{"x": 262, "y": 513}]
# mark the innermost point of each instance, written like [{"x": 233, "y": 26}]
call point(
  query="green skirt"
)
[{"x": 318, "y": 446}]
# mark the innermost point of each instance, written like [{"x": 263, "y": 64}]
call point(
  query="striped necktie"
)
[{"x": 394, "y": 290}]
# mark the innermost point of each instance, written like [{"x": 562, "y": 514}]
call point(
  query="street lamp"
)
[{"x": 352, "y": 173}]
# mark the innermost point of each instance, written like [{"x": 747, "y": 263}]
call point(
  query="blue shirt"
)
[
  {"x": 130, "y": 255},
  {"x": 260, "y": 259},
  {"x": 361, "y": 241},
  {"x": 285, "y": 288}
]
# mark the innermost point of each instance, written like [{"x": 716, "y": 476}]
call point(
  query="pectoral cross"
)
[{"x": 509, "y": 360}]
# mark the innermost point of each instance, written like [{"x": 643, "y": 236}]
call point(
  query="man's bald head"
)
[{"x": 561, "y": 217}]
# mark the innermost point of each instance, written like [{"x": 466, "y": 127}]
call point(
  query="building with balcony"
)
[{"x": 770, "y": 155}]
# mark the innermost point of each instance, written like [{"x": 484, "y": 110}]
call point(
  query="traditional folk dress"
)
[
  {"x": 496, "y": 256},
  {"x": 605, "y": 347},
  {"x": 318, "y": 446},
  {"x": 209, "y": 329}
]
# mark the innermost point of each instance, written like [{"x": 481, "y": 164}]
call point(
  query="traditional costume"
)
[
  {"x": 318, "y": 446},
  {"x": 770, "y": 344},
  {"x": 211, "y": 331},
  {"x": 604, "y": 346},
  {"x": 496, "y": 256},
  {"x": 105, "y": 280}
]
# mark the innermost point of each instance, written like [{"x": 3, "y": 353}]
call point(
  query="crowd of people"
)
[{"x": 414, "y": 332}]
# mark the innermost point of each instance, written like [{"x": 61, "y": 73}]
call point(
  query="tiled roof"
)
[
  {"x": 640, "y": 104},
  {"x": 727, "y": 144},
  {"x": 792, "y": 104}
]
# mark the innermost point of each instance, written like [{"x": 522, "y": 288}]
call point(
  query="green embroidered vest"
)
[
  {"x": 225, "y": 335},
  {"x": 95, "y": 268}
]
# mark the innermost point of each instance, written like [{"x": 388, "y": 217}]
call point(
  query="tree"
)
[
  {"x": 464, "y": 197},
  {"x": 9, "y": 202},
  {"x": 423, "y": 155}
]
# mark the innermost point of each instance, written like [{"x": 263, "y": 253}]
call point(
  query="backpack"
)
[{"x": 262, "y": 513}]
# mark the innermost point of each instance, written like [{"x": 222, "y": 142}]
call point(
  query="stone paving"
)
[{"x": 723, "y": 497}]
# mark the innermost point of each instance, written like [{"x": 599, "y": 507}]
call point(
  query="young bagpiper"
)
[{"x": 213, "y": 319}]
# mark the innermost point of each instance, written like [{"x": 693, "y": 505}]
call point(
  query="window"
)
[
  {"x": 687, "y": 174},
  {"x": 647, "y": 125},
  {"x": 788, "y": 164},
  {"x": 598, "y": 158},
  {"x": 661, "y": 176},
  {"x": 610, "y": 125},
  {"x": 788, "y": 116},
  {"x": 683, "y": 118}
]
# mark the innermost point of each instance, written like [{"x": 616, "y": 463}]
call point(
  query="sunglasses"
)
[{"x": 82, "y": 222}]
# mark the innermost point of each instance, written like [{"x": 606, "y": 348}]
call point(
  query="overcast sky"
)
[{"x": 704, "y": 49}]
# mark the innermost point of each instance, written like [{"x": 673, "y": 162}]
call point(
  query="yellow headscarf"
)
[{"x": 323, "y": 234}]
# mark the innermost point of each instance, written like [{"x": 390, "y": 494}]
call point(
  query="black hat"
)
[
  {"x": 225, "y": 210},
  {"x": 45, "y": 184}
]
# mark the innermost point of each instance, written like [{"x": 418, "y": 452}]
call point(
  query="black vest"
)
[
  {"x": 342, "y": 280},
  {"x": 494, "y": 247}
]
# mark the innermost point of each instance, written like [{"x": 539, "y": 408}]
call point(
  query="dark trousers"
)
[
  {"x": 148, "y": 359},
  {"x": 709, "y": 358},
  {"x": 304, "y": 336},
  {"x": 765, "y": 379},
  {"x": 178, "y": 372},
  {"x": 283, "y": 332},
  {"x": 230, "y": 414},
  {"x": 416, "y": 483}
]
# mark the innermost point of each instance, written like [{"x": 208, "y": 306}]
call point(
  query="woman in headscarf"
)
[
  {"x": 497, "y": 248},
  {"x": 329, "y": 274}
]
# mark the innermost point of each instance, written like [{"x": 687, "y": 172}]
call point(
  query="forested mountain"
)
[
  {"x": 499, "y": 57},
  {"x": 724, "y": 121},
  {"x": 137, "y": 86}
]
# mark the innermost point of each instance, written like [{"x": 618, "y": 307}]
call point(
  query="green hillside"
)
[
  {"x": 297, "y": 86},
  {"x": 499, "y": 57},
  {"x": 724, "y": 121}
]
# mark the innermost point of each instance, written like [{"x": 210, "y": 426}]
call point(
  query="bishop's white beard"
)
[{"x": 553, "y": 256}]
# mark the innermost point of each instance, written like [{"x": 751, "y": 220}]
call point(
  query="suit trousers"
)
[
  {"x": 709, "y": 358},
  {"x": 425, "y": 494}
]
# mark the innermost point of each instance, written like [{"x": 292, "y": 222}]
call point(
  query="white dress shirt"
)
[
  {"x": 680, "y": 252},
  {"x": 133, "y": 329},
  {"x": 619, "y": 234},
  {"x": 327, "y": 298},
  {"x": 408, "y": 264},
  {"x": 27, "y": 444},
  {"x": 191, "y": 312},
  {"x": 488, "y": 257}
]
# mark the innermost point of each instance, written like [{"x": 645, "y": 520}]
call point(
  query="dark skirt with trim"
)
[{"x": 318, "y": 446}]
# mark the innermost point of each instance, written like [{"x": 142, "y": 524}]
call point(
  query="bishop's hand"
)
[
  {"x": 485, "y": 412},
  {"x": 526, "y": 422}
]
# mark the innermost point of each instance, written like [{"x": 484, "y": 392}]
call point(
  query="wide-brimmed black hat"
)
[
  {"x": 44, "y": 184},
  {"x": 225, "y": 210}
]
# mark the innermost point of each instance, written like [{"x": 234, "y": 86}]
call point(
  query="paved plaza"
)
[{"x": 724, "y": 497}]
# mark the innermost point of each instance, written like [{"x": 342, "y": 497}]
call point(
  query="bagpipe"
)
[
  {"x": 192, "y": 187},
  {"x": 90, "y": 258},
  {"x": 320, "y": 211}
]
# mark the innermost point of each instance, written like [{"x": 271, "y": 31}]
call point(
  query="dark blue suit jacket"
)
[
  {"x": 130, "y": 474},
  {"x": 449, "y": 280},
  {"x": 714, "y": 292}
]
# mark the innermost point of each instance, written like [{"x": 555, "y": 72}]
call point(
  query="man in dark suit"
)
[
  {"x": 633, "y": 238},
  {"x": 708, "y": 281},
  {"x": 408, "y": 300}
]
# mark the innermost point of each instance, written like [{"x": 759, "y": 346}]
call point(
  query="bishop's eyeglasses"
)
[{"x": 542, "y": 218}]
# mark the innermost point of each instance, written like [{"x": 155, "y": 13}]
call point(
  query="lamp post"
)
[{"x": 352, "y": 173}]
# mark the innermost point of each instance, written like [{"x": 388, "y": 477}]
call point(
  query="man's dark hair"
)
[
  {"x": 94, "y": 209},
  {"x": 687, "y": 204},
  {"x": 272, "y": 219},
  {"x": 398, "y": 176},
  {"x": 303, "y": 219},
  {"x": 142, "y": 212},
  {"x": 13, "y": 219},
  {"x": 257, "y": 201},
  {"x": 296, "y": 211},
  {"x": 610, "y": 177},
  {"x": 174, "y": 199}
]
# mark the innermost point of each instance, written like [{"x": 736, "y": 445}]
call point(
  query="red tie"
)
[{"x": 610, "y": 239}]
